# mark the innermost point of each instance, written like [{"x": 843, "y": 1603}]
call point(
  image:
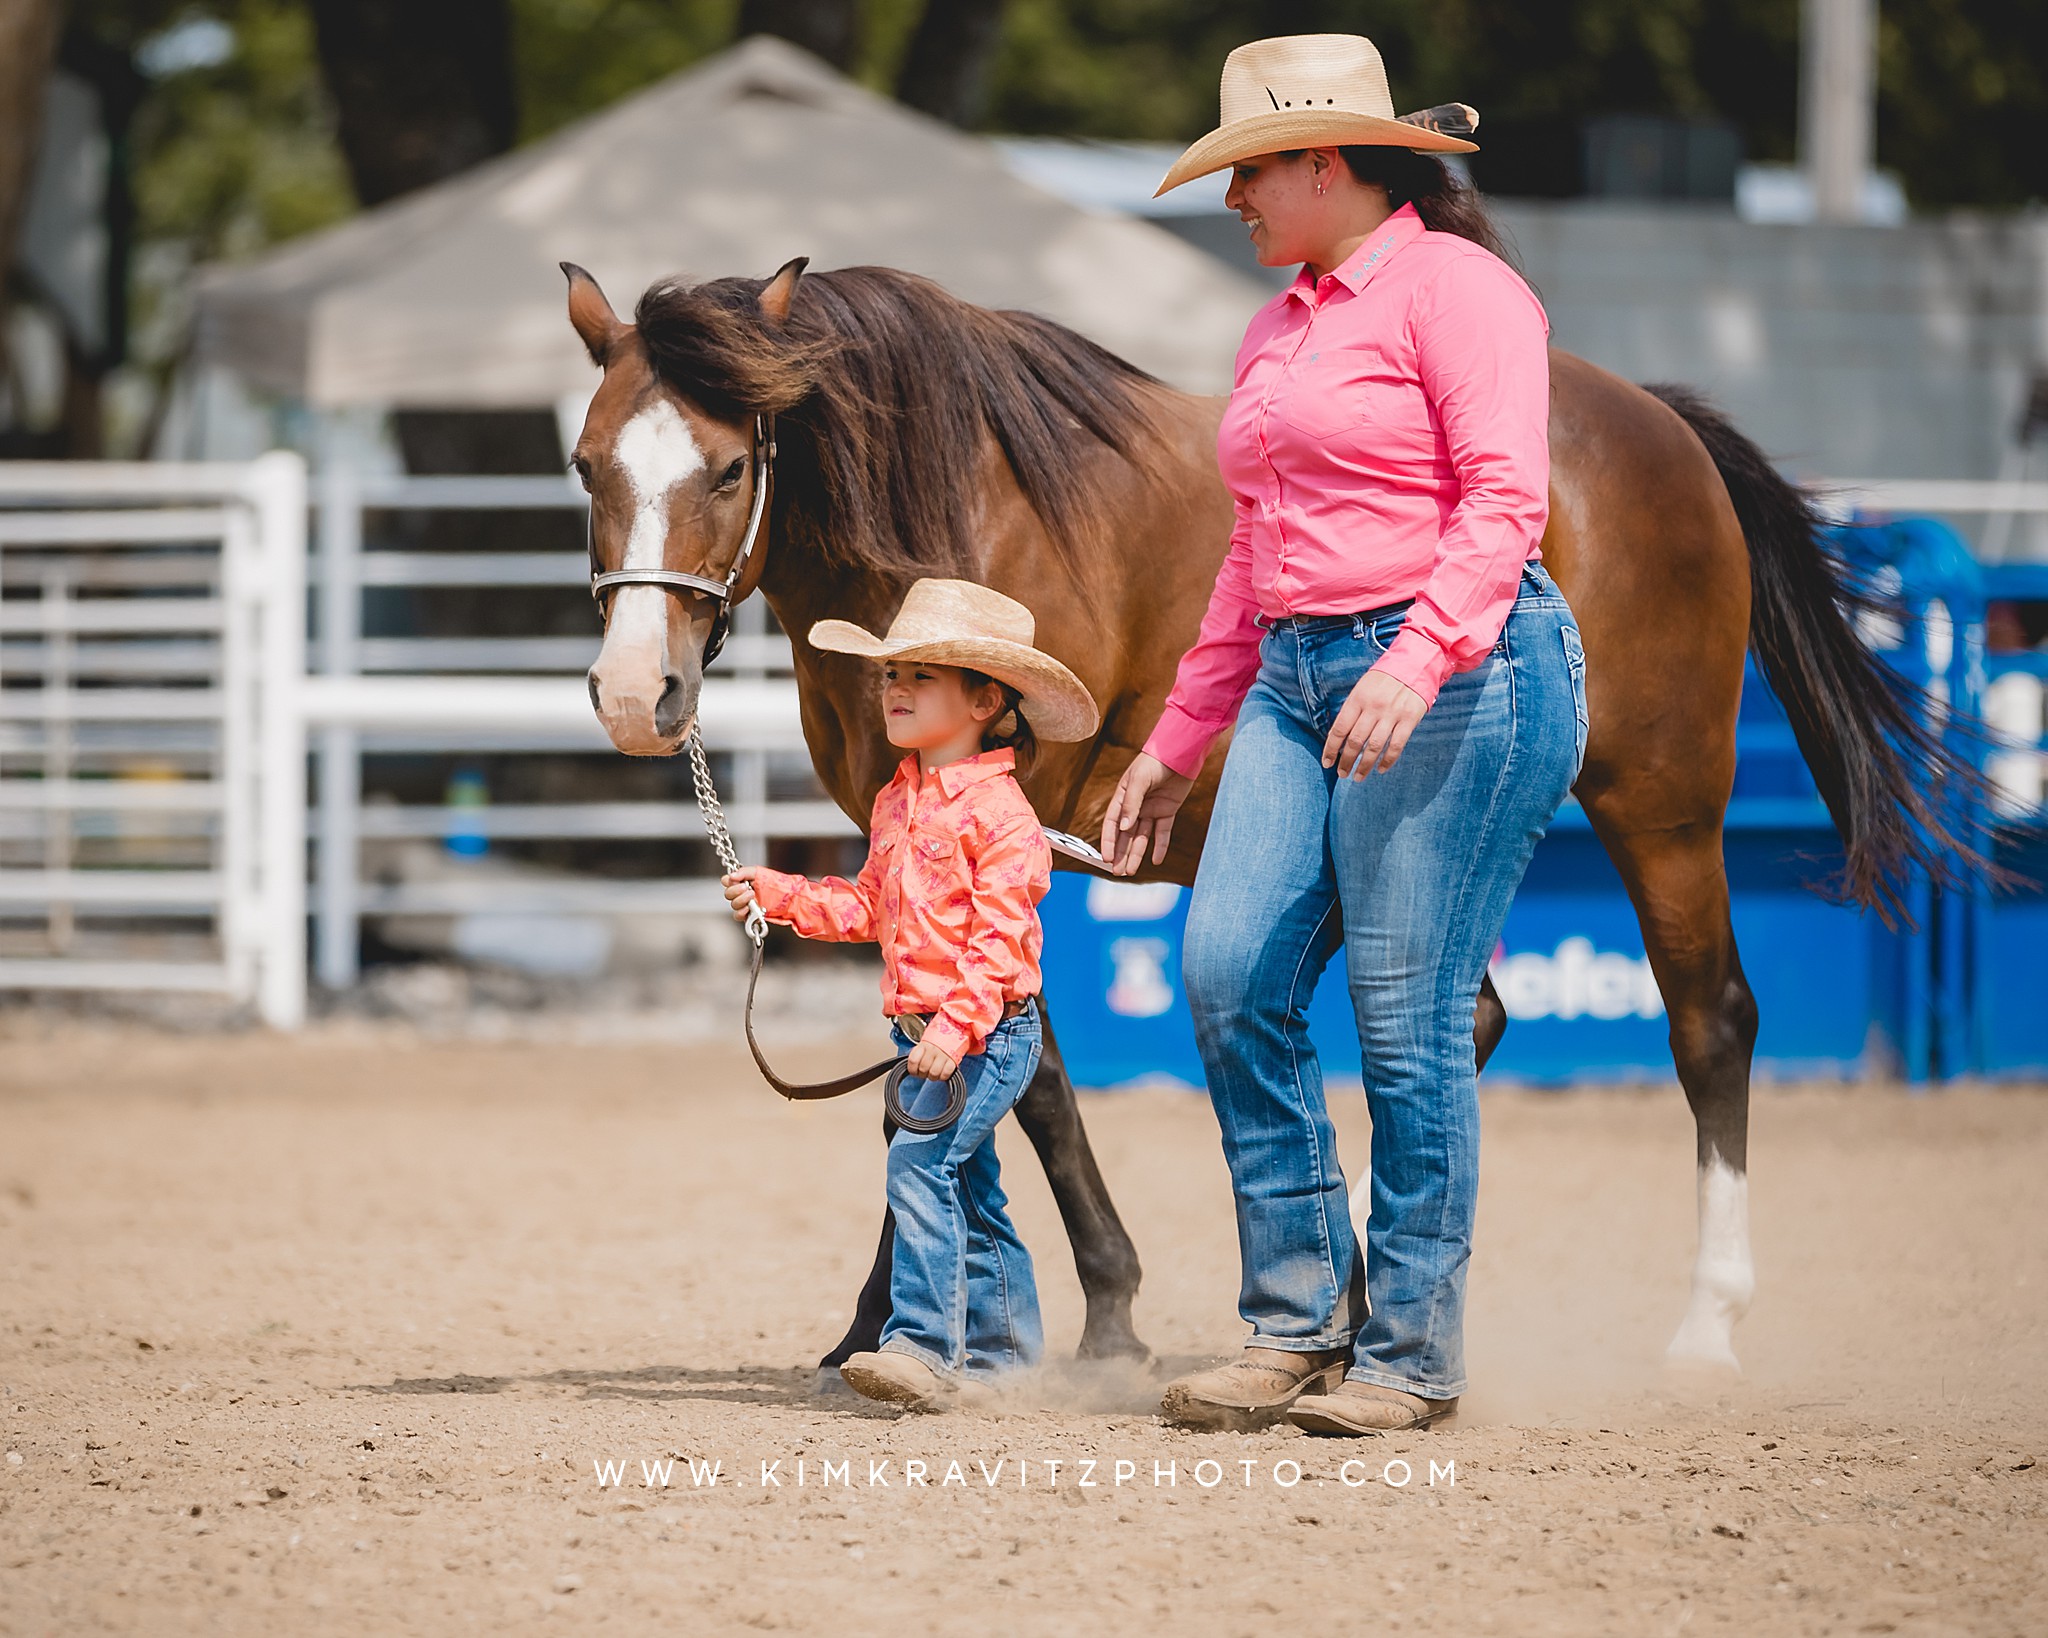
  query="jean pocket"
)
[
  {"x": 1380, "y": 633},
  {"x": 1575, "y": 663}
]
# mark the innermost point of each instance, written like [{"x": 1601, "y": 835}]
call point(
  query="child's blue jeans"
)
[{"x": 961, "y": 1293}]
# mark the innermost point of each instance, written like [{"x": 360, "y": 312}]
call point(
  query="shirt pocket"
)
[
  {"x": 1336, "y": 390},
  {"x": 932, "y": 866}
]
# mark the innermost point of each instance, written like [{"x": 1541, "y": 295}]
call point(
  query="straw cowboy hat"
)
[
  {"x": 1315, "y": 91},
  {"x": 955, "y": 622}
]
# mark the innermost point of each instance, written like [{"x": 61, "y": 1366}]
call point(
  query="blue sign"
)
[{"x": 1582, "y": 1001}]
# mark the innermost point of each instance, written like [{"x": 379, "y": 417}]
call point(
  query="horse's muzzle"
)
[{"x": 644, "y": 721}]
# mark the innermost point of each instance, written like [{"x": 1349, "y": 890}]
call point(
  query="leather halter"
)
[{"x": 698, "y": 585}]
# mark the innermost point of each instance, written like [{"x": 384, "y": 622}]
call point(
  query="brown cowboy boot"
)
[
  {"x": 899, "y": 1379},
  {"x": 1357, "y": 1408},
  {"x": 1253, "y": 1391}
]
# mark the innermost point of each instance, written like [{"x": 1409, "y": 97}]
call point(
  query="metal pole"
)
[
  {"x": 1837, "y": 98},
  {"x": 239, "y": 765},
  {"x": 338, "y": 852},
  {"x": 61, "y": 924},
  {"x": 277, "y": 488}
]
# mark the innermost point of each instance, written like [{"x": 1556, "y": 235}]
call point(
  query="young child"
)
[{"x": 956, "y": 866}]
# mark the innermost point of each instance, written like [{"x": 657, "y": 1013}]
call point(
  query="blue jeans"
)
[
  {"x": 1411, "y": 872},
  {"x": 961, "y": 1292}
]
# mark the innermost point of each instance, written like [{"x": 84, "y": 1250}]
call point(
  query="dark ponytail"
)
[
  {"x": 1008, "y": 729},
  {"x": 1444, "y": 200}
]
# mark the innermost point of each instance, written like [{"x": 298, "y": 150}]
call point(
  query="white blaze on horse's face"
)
[
  {"x": 635, "y": 675},
  {"x": 654, "y": 452}
]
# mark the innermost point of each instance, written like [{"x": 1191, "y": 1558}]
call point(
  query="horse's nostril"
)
[
  {"x": 668, "y": 710},
  {"x": 596, "y": 699}
]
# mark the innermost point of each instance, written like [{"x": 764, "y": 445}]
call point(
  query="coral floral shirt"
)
[
  {"x": 1387, "y": 438},
  {"x": 956, "y": 866}
]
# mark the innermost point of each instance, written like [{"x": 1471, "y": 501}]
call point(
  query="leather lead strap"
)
[{"x": 893, "y": 1068}]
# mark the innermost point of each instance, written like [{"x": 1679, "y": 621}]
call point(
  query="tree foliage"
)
[
  {"x": 573, "y": 57},
  {"x": 28, "y": 40},
  {"x": 420, "y": 92},
  {"x": 1963, "y": 84},
  {"x": 1963, "y": 99},
  {"x": 242, "y": 153},
  {"x": 233, "y": 155}
]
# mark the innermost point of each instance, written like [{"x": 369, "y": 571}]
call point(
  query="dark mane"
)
[{"x": 883, "y": 386}]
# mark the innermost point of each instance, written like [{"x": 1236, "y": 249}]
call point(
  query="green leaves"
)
[{"x": 240, "y": 154}]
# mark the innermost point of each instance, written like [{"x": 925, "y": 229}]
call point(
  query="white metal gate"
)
[
  {"x": 152, "y": 752},
  {"x": 507, "y": 694}
]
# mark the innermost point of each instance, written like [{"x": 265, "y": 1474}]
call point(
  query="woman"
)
[{"x": 1407, "y": 689}]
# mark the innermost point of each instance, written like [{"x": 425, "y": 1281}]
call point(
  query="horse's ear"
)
[
  {"x": 776, "y": 293},
  {"x": 592, "y": 315}
]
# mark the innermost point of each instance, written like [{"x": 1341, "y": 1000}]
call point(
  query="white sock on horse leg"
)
[{"x": 1723, "y": 1276}]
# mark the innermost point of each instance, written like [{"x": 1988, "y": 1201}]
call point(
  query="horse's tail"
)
[{"x": 1890, "y": 782}]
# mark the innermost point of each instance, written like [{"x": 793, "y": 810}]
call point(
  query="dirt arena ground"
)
[{"x": 337, "y": 1335}]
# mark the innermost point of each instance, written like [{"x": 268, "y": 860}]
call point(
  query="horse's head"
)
[{"x": 674, "y": 492}]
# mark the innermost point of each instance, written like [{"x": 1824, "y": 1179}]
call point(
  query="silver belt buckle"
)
[{"x": 912, "y": 1025}]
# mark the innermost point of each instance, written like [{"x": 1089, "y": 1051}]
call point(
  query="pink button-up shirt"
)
[
  {"x": 956, "y": 866},
  {"x": 1388, "y": 438}
]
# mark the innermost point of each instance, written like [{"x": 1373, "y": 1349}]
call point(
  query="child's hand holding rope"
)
[
  {"x": 739, "y": 889},
  {"x": 928, "y": 1063}
]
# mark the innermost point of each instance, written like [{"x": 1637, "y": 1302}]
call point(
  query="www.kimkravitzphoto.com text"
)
[{"x": 673, "y": 1471}]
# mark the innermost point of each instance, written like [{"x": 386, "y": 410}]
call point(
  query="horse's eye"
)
[
  {"x": 581, "y": 468},
  {"x": 732, "y": 474}
]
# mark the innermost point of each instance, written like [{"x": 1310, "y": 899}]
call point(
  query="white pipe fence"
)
[
  {"x": 395, "y": 694},
  {"x": 1941, "y": 497},
  {"x": 188, "y": 648},
  {"x": 152, "y": 764}
]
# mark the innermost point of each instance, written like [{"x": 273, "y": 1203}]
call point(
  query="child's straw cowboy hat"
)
[
  {"x": 955, "y": 622},
  {"x": 1315, "y": 91}
]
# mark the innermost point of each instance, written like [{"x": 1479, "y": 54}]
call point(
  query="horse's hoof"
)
[
  {"x": 1702, "y": 1351},
  {"x": 1705, "y": 1343},
  {"x": 1137, "y": 1356},
  {"x": 1722, "y": 1366},
  {"x": 831, "y": 1385},
  {"x": 1113, "y": 1342}
]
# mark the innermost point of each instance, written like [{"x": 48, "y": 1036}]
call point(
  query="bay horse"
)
[{"x": 917, "y": 434}]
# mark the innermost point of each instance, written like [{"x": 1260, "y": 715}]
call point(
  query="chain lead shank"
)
[{"x": 715, "y": 827}]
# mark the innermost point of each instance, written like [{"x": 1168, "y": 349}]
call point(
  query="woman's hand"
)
[
  {"x": 739, "y": 890},
  {"x": 1142, "y": 809},
  {"x": 927, "y": 1063},
  {"x": 1373, "y": 728}
]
